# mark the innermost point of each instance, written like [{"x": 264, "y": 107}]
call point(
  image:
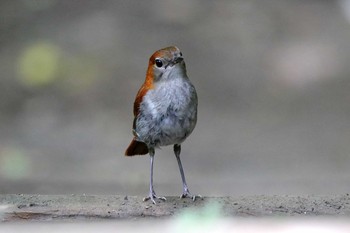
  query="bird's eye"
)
[{"x": 159, "y": 63}]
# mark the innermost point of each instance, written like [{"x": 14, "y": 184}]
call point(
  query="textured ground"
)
[{"x": 76, "y": 207}]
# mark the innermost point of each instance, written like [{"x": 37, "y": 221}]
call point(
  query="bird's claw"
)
[
  {"x": 188, "y": 194},
  {"x": 152, "y": 197}
]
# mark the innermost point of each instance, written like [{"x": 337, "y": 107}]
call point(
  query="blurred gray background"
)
[{"x": 272, "y": 78}]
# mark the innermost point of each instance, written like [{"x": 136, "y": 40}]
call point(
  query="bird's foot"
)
[
  {"x": 153, "y": 196},
  {"x": 187, "y": 193}
]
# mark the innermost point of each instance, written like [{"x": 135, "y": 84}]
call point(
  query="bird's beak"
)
[
  {"x": 175, "y": 61},
  {"x": 178, "y": 60}
]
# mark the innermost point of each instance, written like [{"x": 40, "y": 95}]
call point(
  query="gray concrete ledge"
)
[{"x": 21, "y": 207}]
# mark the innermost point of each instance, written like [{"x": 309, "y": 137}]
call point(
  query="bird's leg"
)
[
  {"x": 152, "y": 194},
  {"x": 185, "y": 191}
]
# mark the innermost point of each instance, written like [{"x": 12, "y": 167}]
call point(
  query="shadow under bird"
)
[{"x": 165, "y": 111}]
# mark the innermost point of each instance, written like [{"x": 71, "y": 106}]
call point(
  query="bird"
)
[{"x": 165, "y": 112}]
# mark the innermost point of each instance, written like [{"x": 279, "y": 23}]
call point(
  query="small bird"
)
[{"x": 165, "y": 111}]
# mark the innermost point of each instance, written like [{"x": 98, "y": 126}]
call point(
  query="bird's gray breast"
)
[{"x": 167, "y": 113}]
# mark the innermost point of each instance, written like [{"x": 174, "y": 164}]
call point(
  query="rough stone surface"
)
[{"x": 17, "y": 207}]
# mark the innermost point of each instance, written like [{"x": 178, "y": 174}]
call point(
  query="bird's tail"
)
[{"x": 136, "y": 148}]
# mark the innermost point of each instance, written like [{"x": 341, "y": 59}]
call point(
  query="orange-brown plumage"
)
[
  {"x": 147, "y": 85},
  {"x": 137, "y": 147}
]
